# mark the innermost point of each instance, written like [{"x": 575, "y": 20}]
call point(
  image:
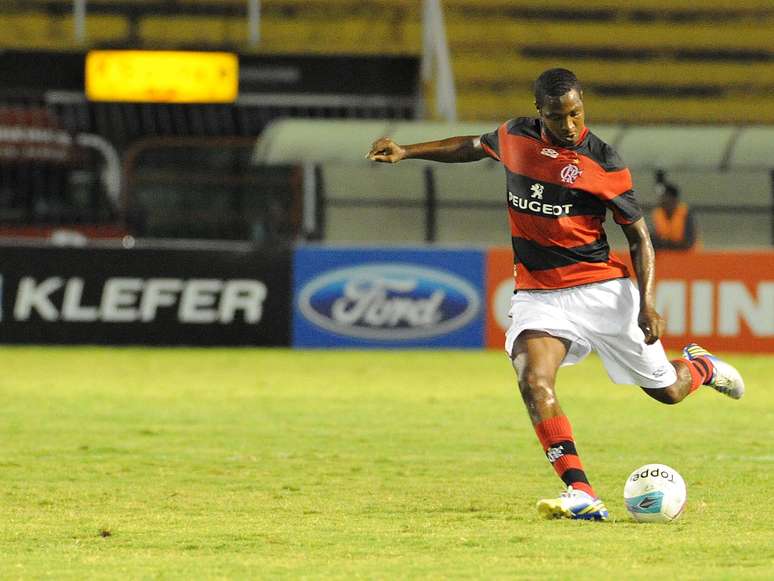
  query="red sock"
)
[
  {"x": 701, "y": 369},
  {"x": 555, "y": 434}
]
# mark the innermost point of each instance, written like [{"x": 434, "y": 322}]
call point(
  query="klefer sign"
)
[
  {"x": 229, "y": 296},
  {"x": 388, "y": 298},
  {"x": 131, "y": 299}
]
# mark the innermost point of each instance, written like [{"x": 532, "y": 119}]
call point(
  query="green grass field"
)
[{"x": 232, "y": 464}]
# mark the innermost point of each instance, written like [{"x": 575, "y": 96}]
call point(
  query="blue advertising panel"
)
[{"x": 382, "y": 298}]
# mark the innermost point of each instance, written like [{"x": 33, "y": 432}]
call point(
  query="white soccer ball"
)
[{"x": 655, "y": 493}]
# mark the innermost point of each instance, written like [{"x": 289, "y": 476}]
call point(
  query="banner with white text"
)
[
  {"x": 388, "y": 298},
  {"x": 721, "y": 300},
  {"x": 144, "y": 296}
]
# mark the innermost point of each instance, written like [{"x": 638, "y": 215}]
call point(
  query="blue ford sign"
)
[
  {"x": 388, "y": 298},
  {"x": 389, "y": 301}
]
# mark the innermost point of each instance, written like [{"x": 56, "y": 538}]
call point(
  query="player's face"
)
[{"x": 563, "y": 117}]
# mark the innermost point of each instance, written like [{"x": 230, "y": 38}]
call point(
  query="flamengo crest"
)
[{"x": 570, "y": 173}]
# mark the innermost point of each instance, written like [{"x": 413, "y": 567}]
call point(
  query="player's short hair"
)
[{"x": 555, "y": 83}]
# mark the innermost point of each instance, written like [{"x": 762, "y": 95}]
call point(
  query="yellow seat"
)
[
  {"x": 646, "y": 61},
  {"x": 40, "y": 31}
]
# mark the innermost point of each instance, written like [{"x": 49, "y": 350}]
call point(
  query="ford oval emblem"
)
[{"x": 389, "y": 302}]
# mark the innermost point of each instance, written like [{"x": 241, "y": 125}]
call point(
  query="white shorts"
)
[{"x": 601, "y": 317}]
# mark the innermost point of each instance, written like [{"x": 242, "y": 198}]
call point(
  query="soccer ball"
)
[{"x": 655, "y": 493}]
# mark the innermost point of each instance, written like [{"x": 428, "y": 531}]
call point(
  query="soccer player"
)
[{"x": 571, "y": 295}]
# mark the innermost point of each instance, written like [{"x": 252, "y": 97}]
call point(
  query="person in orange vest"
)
[{"x": 672, "y": 224}]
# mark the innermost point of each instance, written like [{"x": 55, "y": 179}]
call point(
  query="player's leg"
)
[
  {"x": 699, "y": 367},
  {"x": 536, "y": 357},
  {"x": 607, "y": 316},
  {"x": 714, "y": 372},
  {"x": 684, "y": 385}
]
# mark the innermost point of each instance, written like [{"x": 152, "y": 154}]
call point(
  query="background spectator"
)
[{"x": 672, "y": 224}]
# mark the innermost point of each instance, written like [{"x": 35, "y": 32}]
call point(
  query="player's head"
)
[{"x": 559, "y": 102}]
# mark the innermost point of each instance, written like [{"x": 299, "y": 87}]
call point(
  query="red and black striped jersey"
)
[{"x": 557, "y": 200}]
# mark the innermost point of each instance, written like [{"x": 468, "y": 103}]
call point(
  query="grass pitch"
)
[{"x": 191, "y": 464}]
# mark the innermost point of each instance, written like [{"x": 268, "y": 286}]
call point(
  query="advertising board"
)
[
  {"x": 144, "y": 296},
  {"x": 388, "y": 298},
  {"x": 722, "y": 300}
]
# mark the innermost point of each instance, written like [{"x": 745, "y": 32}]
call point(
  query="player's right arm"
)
[{"x": 451, "y": 150}]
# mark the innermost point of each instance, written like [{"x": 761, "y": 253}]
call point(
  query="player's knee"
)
[
  {"x": 536, "y": 386},
  {"x": 674, "y": 395}
]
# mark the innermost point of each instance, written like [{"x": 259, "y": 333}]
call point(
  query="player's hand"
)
[
  {"x": 385, "y": 150},
  {"x": 652, "y": 325}
]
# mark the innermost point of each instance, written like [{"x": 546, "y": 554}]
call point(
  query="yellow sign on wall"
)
[{"x": 162, "y": 76}]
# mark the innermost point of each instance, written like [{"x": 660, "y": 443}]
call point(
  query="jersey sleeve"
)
[
  {"x": 618, "y": 190},
  {"x": 490, "y": 142},
  {"x": 625, "y": 208}
]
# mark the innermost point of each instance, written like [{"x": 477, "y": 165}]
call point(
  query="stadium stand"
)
[
  {"x": 39, "y": 30},
  {"x": 678, "y": 61},
  {"x": 660, "y": 62},
  {"x": 681, "y": 63}
]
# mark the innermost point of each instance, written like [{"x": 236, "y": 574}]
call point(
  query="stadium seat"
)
[
  {"x": 660, "y": 5},
  {"x": 281, "y": 34},
  {"x": 496, "y": 105},
  {"x": 644, "y": 61},
  {"x": 41, "y": 31}
]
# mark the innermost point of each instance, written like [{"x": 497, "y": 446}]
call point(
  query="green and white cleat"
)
[
  {"x": 573, "y": 504},
  {"x": 725, "y": 378}
]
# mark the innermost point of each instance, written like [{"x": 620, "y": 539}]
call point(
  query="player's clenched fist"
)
[
  {"x": 386, "y": 150},
  {"x": 652, "y": 325}
]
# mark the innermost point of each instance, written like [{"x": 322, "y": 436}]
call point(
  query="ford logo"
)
[{"x": 389, "y": 302}]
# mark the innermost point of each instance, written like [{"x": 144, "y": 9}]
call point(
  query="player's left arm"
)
[{"x": 644, "y": 261}]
